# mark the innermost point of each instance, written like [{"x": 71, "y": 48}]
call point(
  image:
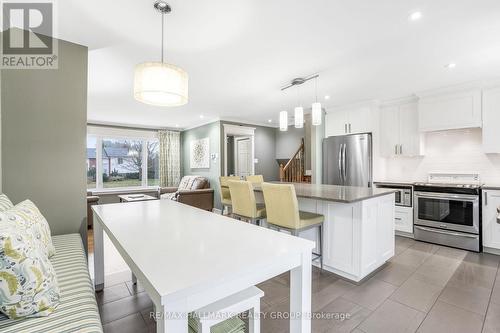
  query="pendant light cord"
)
[
  {"x": 316, "y": 88},
  {"x": 162, "y": 32}
]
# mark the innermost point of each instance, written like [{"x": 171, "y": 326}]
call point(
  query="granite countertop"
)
[
  {"x": 335, "y": 193},
  {"x": 394, "y": 182},
  {"x": 491, "y": 187}
]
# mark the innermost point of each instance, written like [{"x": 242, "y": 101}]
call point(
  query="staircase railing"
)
[{"x": 293, "y": 170}]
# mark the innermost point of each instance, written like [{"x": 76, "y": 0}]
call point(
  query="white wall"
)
[{"x": 448, "y": 151}]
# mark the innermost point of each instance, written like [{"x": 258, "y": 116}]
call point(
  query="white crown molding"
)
[
  {"x": 461, "y": 87},
  {"x": 201, "y": 124},
  {"x": 400, "y": 100},
  {"x": 371, "y": 103},
  {"x": 128, "y": 126},
  {"x": 244, "y": 122}
]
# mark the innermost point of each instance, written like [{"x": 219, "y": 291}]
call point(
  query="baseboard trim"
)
[{"x": 491, "y": 250}]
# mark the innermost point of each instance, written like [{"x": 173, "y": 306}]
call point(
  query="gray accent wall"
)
[
  {"x": 265, "y": 150},
  {"x": 43, "y": 137},
  {"x": 288, "y": 142},
  {"x": 212, "y": 131}
]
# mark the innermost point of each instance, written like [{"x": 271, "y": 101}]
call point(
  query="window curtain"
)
[{"x": 170, "y": 161}]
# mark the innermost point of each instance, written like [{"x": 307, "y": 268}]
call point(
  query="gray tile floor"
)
[{"x": 424, "y": 288}]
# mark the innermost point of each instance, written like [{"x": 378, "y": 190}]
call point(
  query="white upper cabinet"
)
[
  {"x": 389, "y": 130},
  {"x": 491, "y": 120},
  {"x": 350, "y": 120},
  {"x": 336, "y": 123},
  {"x": 450, "y": 111},
  {"x": 399, "y": 134}
]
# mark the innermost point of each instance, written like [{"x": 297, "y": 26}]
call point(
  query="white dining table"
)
[{"x": 187, "y": 258}]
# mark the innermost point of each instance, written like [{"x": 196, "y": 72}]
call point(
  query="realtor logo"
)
[{"x": 27, "y": 30}]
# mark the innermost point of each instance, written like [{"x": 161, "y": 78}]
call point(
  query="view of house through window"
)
[
  {"x": 125, "y": 174},
  {"x": 153, "y": 163},
  {"x": 91, "y": 162},
  {"x": 122, "y": 162}
]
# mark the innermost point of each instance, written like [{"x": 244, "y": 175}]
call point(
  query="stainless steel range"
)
[{"x": 448, "y": 212}]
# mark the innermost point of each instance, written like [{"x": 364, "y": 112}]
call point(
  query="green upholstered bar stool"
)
[
  {"x": 245, "y": 206},
  {"x": 225, "y": 195},
  {"x": 282, "y": 209},
  {"x": 255, "y": 179}
]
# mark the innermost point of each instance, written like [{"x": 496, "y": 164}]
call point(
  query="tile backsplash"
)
[{"x": 447, "y": 151}]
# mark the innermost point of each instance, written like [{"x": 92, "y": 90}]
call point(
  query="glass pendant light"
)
[
  {"x": 283, "y": 121},
  {"x": 317, "y": 112},
  {"x": 299, "y": 117},
  {"x": 160, "y": 83},
  {"x": 299, "y": 112}
]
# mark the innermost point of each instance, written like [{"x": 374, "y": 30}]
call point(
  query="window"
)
[
  {"x": 91, "y": 162},
  {"x": 153, "y": 163},
  {"x": 118, "y": 158},
  {"x": 126, "y": 174}
]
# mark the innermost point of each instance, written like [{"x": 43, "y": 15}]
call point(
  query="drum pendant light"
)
[{"x": 161, "y": 83}]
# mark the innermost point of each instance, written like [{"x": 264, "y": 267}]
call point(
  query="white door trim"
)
[{"x": 239, "y": 131}]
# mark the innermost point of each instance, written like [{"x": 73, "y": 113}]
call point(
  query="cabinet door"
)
[
  {"x": 451, "y": 111},
  {"x": 491, "y": 228},
  {"x": 491, "y": 121},
  {"x": 389, "y": 130},
  {"x": 404, "y": 219},
  {"x": 410, "y": 138},
  {"x": 336, "y": 123},
  {"x": 360, "y": 120},
  {"x": 339, "y": 237}
]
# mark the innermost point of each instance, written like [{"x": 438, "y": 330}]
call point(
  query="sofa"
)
[
  {"x": 192, "y": 190},
  {"x": 77, "y": 311},
  {"x": 91, "y": 200}
]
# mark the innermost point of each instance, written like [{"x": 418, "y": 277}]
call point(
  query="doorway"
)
[
  {"x": 242, "y": 156},
  {"x": 239, "y": 150}
]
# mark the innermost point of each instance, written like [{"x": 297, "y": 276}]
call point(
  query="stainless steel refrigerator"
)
[{"x": 347, "y": 160}]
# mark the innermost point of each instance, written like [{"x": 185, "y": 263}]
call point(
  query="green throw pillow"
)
[
  {"x": 28, "y": 283},
  {"x": 27, "y": 214}
]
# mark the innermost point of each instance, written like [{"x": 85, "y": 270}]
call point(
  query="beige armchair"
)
[{"x": 193, "y": 191}]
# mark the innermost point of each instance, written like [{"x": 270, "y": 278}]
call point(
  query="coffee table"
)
[{"x": 136, "y": 197}]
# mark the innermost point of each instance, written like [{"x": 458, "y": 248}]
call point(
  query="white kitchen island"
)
[{"x": 358, "y": 228}]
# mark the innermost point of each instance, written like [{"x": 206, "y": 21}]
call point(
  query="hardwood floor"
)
[{"x": 424, "y": 288}]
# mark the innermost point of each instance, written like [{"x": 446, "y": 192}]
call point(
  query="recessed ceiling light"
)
[
  {"x": 269, "y": 120},
  {"x": 176, "y": 125},
  {"x": 202, "y": 116},
  {"x": 415, "y": 16},
  {"x": 451, "y": 65},
  {"x": 327, "y": 97}
]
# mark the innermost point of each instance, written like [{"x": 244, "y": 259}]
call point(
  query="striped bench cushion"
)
[{"x": 78, "y": 310}]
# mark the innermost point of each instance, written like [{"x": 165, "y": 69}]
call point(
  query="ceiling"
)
[{"x": 238, "y": 53}]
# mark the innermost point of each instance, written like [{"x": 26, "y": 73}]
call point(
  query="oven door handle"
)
[
  {"x": 472, "y": 198},
  {"x": 448, "y": 233}
]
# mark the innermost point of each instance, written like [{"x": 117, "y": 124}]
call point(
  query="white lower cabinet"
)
[
  {"x": 491, "y": 226},
  {"x": 404, "y": 219},
  {"x": 359, "y": 236}
]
